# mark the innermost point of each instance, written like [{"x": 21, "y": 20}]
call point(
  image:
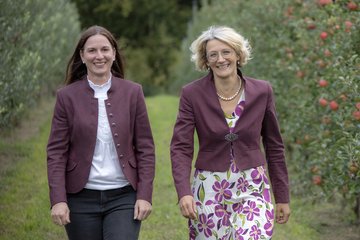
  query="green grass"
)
[
  {"x": 165, "y": 222},
  {"x": 24, "y": 203}
]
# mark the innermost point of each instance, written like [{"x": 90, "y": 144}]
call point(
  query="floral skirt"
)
[{"x": 233, "y": 205}]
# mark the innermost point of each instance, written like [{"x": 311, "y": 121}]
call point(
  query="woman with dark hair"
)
[{"x": 100, "y": 153}]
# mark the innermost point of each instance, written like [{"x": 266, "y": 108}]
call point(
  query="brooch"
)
[{"x": 230, "y": 137}]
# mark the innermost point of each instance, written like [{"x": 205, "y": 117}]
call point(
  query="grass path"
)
[{"x": 24, "y": 204}]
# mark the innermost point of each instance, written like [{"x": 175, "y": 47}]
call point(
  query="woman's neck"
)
[
  {"x": 99, "y": 80},
  {"x": 227, "y": 85}
]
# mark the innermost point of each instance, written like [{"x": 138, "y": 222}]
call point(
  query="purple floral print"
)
[
  {"x": 223, "y": 215},
  {"x": 258, "y": 175},
  {"x": 222, "y": 190},
  {"x": 251, "y": 210},
  {"x": 270, "y": 224},
  {"x": 266, "y": 194},
  {"x": 239, "y": 233},
  {"x": 255, "y": 232},
  {"x": 234, "y": 168},
  {"x": 242, "y": 184},
  {"x": 239, "y": 108},
  {"x": 192, "y": 232},
  {"x": 206, "y": 224},
  {"x": 237, "y": 207}
]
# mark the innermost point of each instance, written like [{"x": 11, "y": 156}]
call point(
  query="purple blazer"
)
[
  {"x": 200, "y": 110},
  {"x": 73, "y": 133}
]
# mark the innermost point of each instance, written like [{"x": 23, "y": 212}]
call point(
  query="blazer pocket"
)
[
  {"x": 132, "y": 160},
  {"x": 254, "y": 147}
]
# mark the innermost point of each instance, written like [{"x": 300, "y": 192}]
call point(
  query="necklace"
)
[{"x": 232, "y": 97}]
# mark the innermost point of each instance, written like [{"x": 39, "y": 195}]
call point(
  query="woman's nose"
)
[
  {"x": 99, "y": 54},
  {"x": 220, "y": 58}
]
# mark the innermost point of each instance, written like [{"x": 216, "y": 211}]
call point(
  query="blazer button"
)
[
  {"x": 113, "y": 124},
  {"x": 118, "y": 145},
  {"x": 108, "y": 104},
  {"x": 111, "y": 115},
  {"x": 116, "y": 135},
  {"x": 123, "y": 165},
  {"x": 121, "y": 156}
]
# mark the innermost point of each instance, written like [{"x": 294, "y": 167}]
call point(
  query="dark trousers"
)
[{"x": 103, "y": 215}]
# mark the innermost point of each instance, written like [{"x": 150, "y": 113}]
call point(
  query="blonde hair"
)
[{"x": 224, "y": 34}]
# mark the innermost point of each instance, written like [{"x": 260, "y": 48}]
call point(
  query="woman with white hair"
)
[{"x": 229, "y": 197}]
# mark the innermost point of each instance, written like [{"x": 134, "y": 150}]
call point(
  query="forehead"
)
[
  {"x": 97, "y": 41},
  {"x": 216, "y": 45}
]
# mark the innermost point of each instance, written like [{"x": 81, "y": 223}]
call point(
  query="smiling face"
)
[
  {"x": 98, "y": 55},
  {"x": 221, "y": 58}
]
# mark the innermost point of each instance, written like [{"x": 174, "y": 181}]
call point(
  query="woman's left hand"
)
[
  {"x": 142, "y": 209},
  {"x": 282, "y": 212}
]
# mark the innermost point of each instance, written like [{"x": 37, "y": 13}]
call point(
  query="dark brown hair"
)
[{"x": 76, "y": 69}]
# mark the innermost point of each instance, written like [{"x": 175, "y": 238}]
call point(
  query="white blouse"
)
[{"x": 105, "y": 172}]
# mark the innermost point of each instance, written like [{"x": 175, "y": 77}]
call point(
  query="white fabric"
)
[{"x": 105, "y": 172}]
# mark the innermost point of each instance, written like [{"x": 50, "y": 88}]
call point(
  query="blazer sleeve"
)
[
  {"x": 57, "y": 152},
  {"x": 182, "y": 146},
  {"x": 274, "y": 151},
  {"x": 144, "y": 150}
]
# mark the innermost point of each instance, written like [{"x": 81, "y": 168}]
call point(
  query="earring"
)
[{"x": 238, "y": 63}]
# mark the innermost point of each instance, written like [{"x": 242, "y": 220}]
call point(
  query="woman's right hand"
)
[
  {"x": 60, "y": 213},
  {"x": 188, "y": 207}
]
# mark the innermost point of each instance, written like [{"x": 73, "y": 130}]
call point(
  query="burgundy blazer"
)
[
  {"x": 73, "y": 133},
  {"x": 200, "y": 110}
]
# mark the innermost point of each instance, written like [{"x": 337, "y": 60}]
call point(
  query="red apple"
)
[
  {"x": 316, "y": 180},
  {"x": 323, "y": 83},
  {"x": 327, "y": 53},
  {"x": 334, "y": 105},
  {"x": 356, "y": 115},
  {"x": 323, "y": 102},
  {"x": 323, "y": 35},
  {"x": 324, "y": 2},
  {"x": 348, "y": 24},
  {"x": 352, "y": 6},
  {"x": 321, "y": 63},
  {"x": 357, "y": 105},
  {"x": 300, "y": 74},
  {"x": 311, "y": 26}
]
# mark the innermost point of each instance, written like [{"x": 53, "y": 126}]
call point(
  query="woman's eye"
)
[
  {"x": 213, "y": 55},
  {"x": 226, "y": 52}
]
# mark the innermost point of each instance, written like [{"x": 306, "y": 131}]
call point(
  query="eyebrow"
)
[
  {"x": 221, "y": 50},
  {"x": 91, "y": 48}
]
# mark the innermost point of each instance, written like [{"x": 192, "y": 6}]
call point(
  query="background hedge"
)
[{"x": 36, "y": 39}]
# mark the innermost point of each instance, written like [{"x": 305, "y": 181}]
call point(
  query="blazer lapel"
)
[{"x": 213, "y": 98}]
